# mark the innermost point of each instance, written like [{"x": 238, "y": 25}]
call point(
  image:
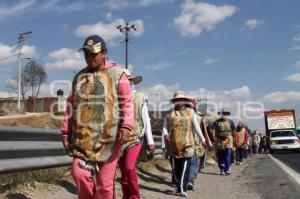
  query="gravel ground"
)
[{"x": 154, "y": 179}]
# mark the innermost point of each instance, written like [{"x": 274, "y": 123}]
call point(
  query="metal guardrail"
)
[
  {"x": 24, "y": 149},
  {"x": 30, "y": 148}
]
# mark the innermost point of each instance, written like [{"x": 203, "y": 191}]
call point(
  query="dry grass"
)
[
  {"x": 42, "y": 121},
  {"x": 151, "y": 165},
  {"x": 26, "y": 182}
]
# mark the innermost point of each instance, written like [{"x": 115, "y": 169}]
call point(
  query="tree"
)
[{"x": 32, "y": 77}]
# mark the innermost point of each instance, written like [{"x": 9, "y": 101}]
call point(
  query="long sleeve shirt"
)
[
  {"x": 196, "y": 127},
  {"x": 147, "y": 125},
  {"x": 204, "y": 131},
  {"x": 125, "y": 105}
]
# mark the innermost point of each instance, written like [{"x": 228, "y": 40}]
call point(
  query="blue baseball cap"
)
[{"x": 94, "y": 43}]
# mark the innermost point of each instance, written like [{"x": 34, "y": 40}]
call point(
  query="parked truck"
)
[{"x": 281, "y": 130}]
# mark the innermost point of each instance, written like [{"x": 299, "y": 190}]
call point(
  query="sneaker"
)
[
  {"x": 238, "y": 163},
  {"x": 190, "y": 186},
  {"x": 222, "y": 173},
  {"x": 228, "y": 172},
  {"x": 241, "y": 163},
  {"x": 183, "y": 194}
]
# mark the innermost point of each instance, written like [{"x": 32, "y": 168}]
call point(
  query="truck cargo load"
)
[{"x": 281, "y": 130}]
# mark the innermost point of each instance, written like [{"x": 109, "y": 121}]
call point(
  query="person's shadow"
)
[
  {"x": 209, "y": 173},
  {"x": 161, "y": 169},
  {"x": 150, "y": 177},
  {"x": 71, "y": 188},
  {"x": 16, "y": 196},
  {"x": 166, "y": 192}
]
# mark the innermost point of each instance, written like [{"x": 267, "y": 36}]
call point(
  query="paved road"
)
[
  {"x": 290, "y": 159},
  {"x": 268, "y": 180},
  {"x": 258, "y": 178}
]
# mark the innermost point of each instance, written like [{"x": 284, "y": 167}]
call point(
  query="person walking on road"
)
[
  {"x": 208, "y": 144},
  {"x": 178, "y": 129},
  {"x": 223, "y": 133},
  {"x": 241, "y": 140},
  {"x": 200, "y": 150},
  {"x": 98, "y": 120},
  {"x": 263, "y": 144},
  {"x": 255, "y": 142},
  {"x": 132, "y": 148}
]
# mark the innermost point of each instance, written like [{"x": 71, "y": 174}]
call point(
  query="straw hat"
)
[
  {"x": 135, "y": 80},
  {"x": 180, "y": 96},
  {"x": 224, "y": 111}
]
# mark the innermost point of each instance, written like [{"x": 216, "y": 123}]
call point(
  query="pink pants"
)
[
  {"x": 129, "y": 179},
  {"x": 103, "y": 187}
]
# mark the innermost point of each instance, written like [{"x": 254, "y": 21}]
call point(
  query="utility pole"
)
[
  {"x": 126, "y": 29},
  {"x": 21, "y": 41}
]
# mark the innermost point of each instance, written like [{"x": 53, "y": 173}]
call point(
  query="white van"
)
[{"x": 284, "y": 140}]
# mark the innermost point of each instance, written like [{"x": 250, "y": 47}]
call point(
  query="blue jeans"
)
[
  {"x": 255, "y": 149},
  {"x": 194, "y": 166},
  {"x": 239, "y": 155},
  {"x": 224, "y": 159}
]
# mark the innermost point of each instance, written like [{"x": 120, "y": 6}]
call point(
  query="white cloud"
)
[
  {"x": 11, "y": 86},
  {"x": 53, "y": 5},
  {"x": 124, "y": 4},
  {"x": 29, "y": 51},
  {"x": 282, "y": 97},
  {"x": 210, "y": 61},
  {"x": 145, "y": 3},
  {"x": 7, "y": 94},
  {"x": 159, "y": 96},
  {"x": 45, "y": 90},
  {"x": 293, "y": 78},
  {"x": 11, "y": 52},
  {"x": 166, "y": 92},
  {"x": 11, "y": 83},
  {"x": 65, "y": 58},
  {"x": 197, "y": 17},
  {"x": 252, "y": 24},
  {"x": 7, "y": 11},
  {"x": 108, "y": 16},
  {"x": 160, "y": 93},
  {"x": 295, "y": 48},
  {"x": 297, "y": 38},
  {"x": 242, "y": 92},
  {"x": 116, "y": 4},
  {"x": 160, "y": 66},
  {"x": 7, "y": 54},
  {"x": 108, "y": 30}
]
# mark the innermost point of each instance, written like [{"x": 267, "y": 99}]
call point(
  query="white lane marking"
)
[{"x": 292, "y": 173}]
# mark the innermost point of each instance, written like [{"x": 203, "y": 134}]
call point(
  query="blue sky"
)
[{"x": 239, "y": 50}]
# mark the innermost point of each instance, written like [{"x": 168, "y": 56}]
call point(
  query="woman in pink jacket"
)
[{"x": 94, "y": 131}]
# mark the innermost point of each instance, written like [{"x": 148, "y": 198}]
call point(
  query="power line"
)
[
  {"x": 213, "y": 45},
  {"x": 161, "y": 56},
  {"x": 8, "y": 57}
]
